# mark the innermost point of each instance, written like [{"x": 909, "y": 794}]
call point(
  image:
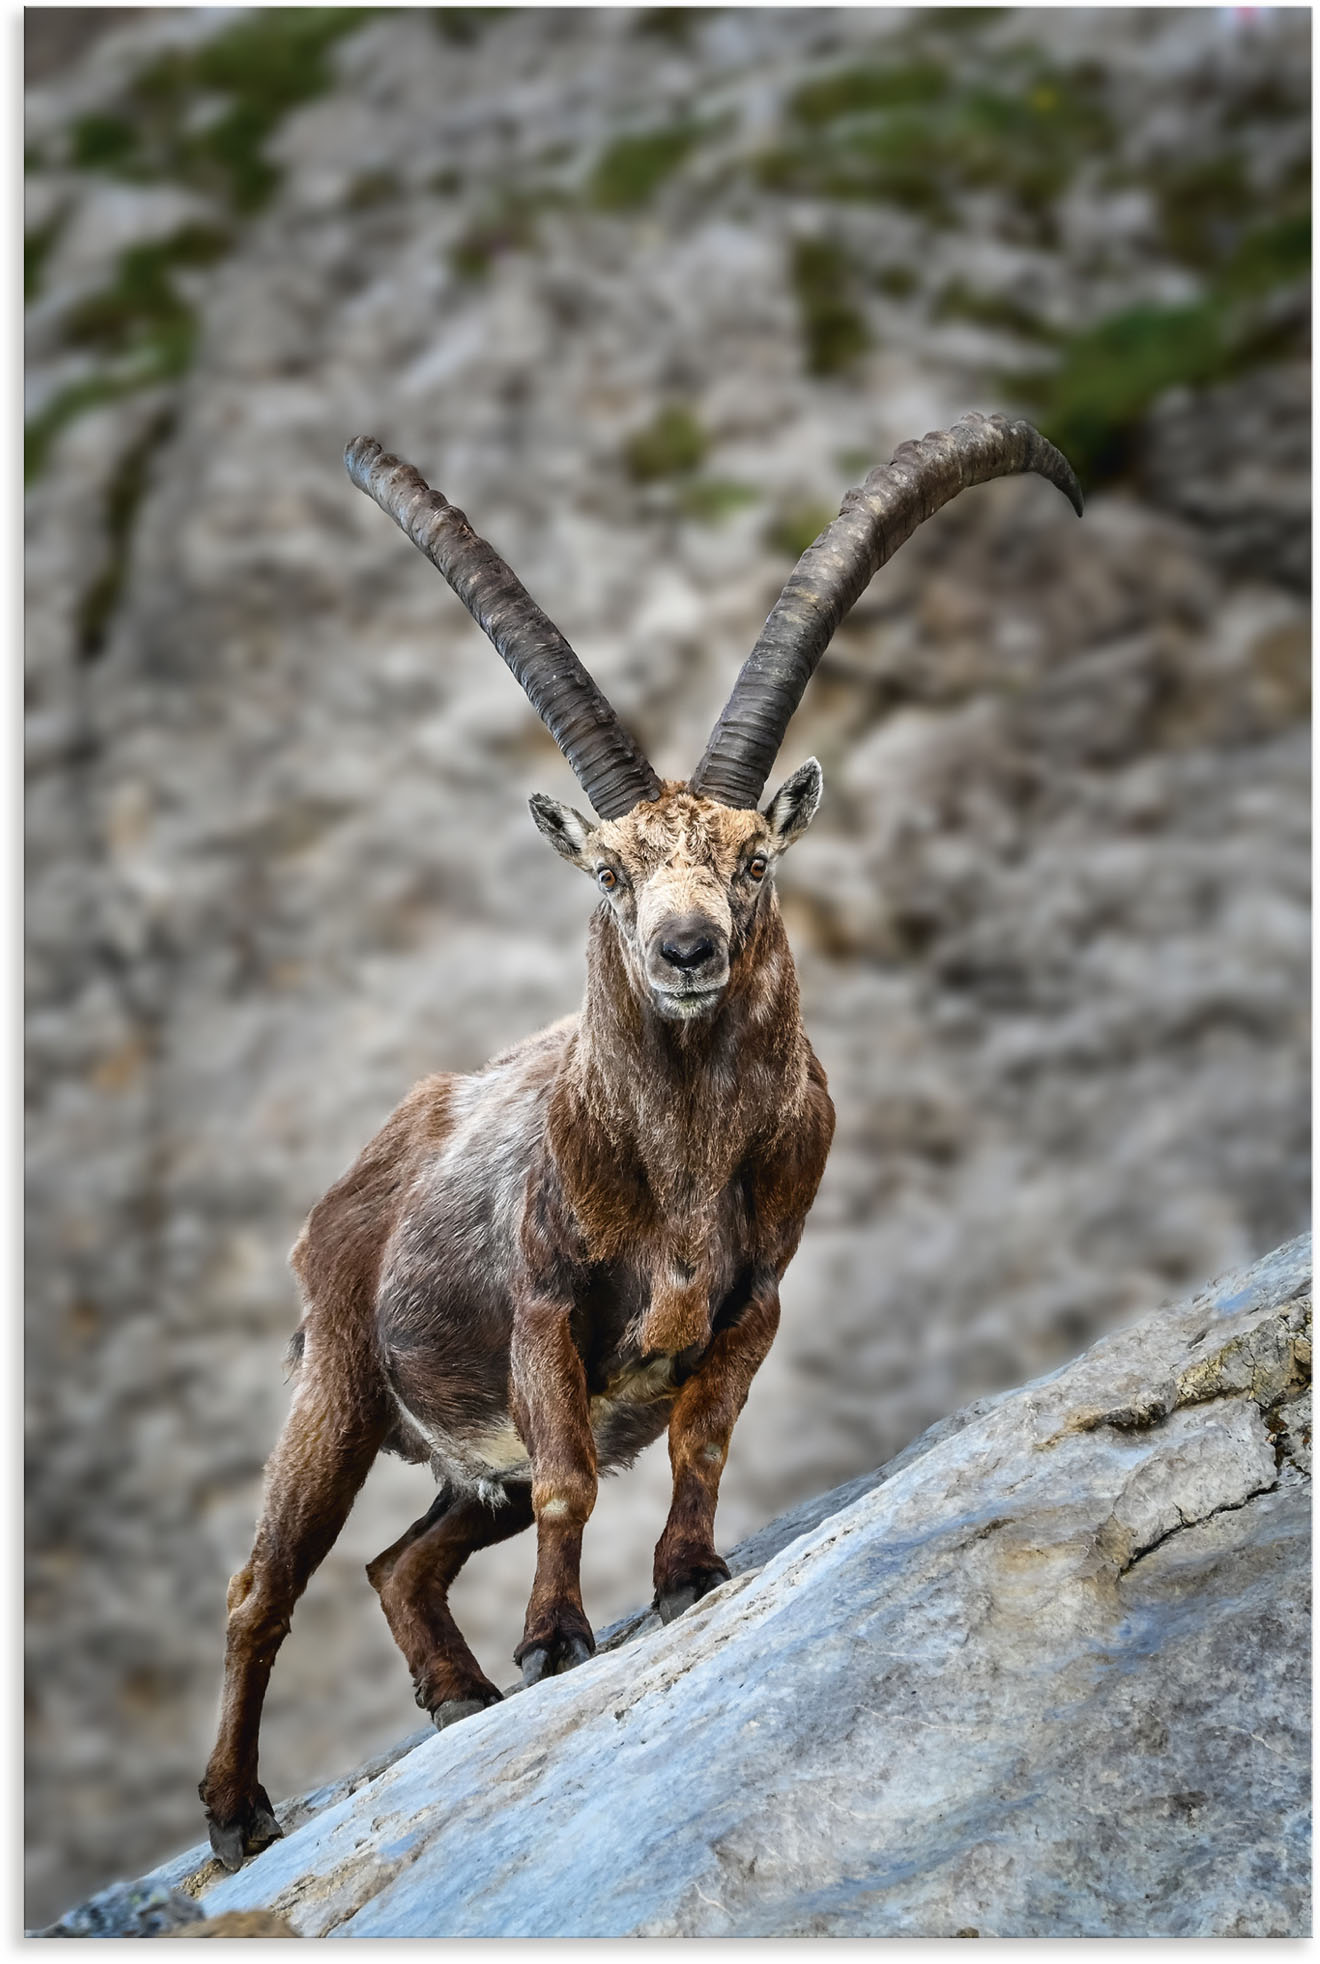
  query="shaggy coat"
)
[{"x": 533, "y": 1271}]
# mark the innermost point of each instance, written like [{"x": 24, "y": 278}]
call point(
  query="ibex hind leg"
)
[
  {"x": 413, "y": 1579},
  {"x": 333, "y": 1433}
]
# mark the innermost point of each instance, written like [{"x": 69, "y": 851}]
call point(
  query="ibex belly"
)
[{"x": 628, "y": 1414}]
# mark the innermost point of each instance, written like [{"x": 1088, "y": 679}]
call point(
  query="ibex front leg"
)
[
  {"x": 552, "y": 1415},
  {"x": 700, "y": 1426}
]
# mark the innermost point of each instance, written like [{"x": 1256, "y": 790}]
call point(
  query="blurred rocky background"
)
[{"x": 643, "y": 291}]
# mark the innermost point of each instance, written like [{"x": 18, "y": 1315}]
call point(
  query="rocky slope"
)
[
  {"x": 1043, "y": 1675},
  {"x": 644, "y": 294}
]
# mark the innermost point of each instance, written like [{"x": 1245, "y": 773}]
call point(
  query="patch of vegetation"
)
[
  {"x": 268, "y": 63},
  {"x": 1273, "y": 256},
  {"x": 371, "y": 188},
  {"x": 40, "y": 432},
  {"x": 897, "y": 281},
  {"x": 37, "y": 246},
  {"x": 795, "y": 527},
  {"x": 834, "y": 332},
  {"x": 142, "y": 313},
  {"x": 963, "y": 20},
  {"x": 462, "y": 26},
  {"x": 102, "y": 141},
  {"x": 1203, "y": 204},
  {"x": 1026, "y": 137},
  {"x": 508, "y": 225},
  {"x": 445, "y": 183},
  {"x": 632, "y": 168},
  {"x": 1091, "y": 405},
  {"x": 140, "y": 322},
  {"x": 675, "y": 24},
  {"x": 710, "y": 499},
  {"x": 859, "y": 91},
  {"x": 250, "y": 75},
  {"x": 959, "y": 301},
  {"x": 672, "y": 444},
  {"x": 123, "y": 496},
  {"x": 1108, "y": 377}
]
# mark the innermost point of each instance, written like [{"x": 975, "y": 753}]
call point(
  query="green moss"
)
[
  {"x": 140, "y": 322},
  {"x": 672, "y": 443},
  {"x": 103, "y": 142},
  {"x": 834, "y": 333},
  {"x": 372, "y": 188},
  {"x": 265, "y": 65},
  {"x": 37, "y": 246},
  {"x": 891, "y": 164},
  {"x": 123, "y": 496},
  {"x": 631, "y": 170},
  {"x": 1271, "y": 257},
  {"x": 268, "y": 62},
  {"x": 507, "y": 225},
  {"x": 142, "y": 312},
  {"x": 462, "y": 26},
  {"x": 858, "y": 91},
  {"x": 1203, "y": 204},
  {"x": 710, "y": 499},
  {"x": 795, "y": 527},
  {"x": 963, "y": 20},
  {"x": 959, "y": 301},
  {"x": 1108, "y": 377},
  {"x": 1026, "y": 136},
  {"x": 897, "y": 281},
  {"x": 40, "y": 432},
  {"x": 675, "y": 24}
]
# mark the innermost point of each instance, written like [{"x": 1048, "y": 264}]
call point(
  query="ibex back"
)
[{"x": 532, "y": 1272}]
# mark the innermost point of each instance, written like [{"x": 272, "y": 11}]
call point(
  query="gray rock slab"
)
[{"x": 1045, "y": 1675}]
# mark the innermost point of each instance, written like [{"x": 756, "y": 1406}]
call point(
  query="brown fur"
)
[{"x": 531, "y": 1272}]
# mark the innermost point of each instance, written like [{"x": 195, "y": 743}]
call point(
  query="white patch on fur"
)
[{"x": 480, "y": 1465}]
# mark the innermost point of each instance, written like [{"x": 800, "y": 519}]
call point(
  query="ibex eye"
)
[
  {"x": 608, "y": 880},
  {"x": 758, "y": 866}
]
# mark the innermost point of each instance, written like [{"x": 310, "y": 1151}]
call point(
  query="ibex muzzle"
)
[{"x": 534, "y": 1270}]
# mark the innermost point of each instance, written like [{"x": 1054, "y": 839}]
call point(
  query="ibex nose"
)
[{"x": 687, "y": 943}]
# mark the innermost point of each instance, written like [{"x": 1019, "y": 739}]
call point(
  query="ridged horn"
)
[
  {"x": 608, "y": 763},
  {"x": 834, "y": 572}
]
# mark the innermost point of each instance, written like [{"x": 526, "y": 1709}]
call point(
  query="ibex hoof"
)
[
  {"x": 553, "y": 1659},
  {"x": 681, "y": 1594},
  {"x": 247, "y": 1834},
  {"x": 455, "y": 1709}
]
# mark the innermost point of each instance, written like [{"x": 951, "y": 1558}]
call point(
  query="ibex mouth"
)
[{"x": 681, "y": 1005}]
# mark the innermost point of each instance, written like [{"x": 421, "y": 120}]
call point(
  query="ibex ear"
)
[
  {"x": 568, "y": 832},
  {"x": 793, "y": 806}
]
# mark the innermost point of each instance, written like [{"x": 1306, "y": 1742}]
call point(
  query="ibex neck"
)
[{"x": 653, "y": 1121}]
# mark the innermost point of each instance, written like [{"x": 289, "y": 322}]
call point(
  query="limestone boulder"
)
[{"x": 1043, "y": 1675}]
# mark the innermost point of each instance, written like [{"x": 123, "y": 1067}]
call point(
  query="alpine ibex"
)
[{"x": 531, "y": 1272}]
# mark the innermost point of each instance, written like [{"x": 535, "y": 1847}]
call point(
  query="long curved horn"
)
[
  {"x": 609, "y": 765},
  {"x": 834, "y": 572}
]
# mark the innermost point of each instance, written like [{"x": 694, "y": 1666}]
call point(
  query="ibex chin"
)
[{"x": 533, "y": 1271}]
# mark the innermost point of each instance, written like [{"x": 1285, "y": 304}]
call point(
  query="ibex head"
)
[
  {"x": 687, "y": 868},
  {"x": 685, "y": 879}
]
